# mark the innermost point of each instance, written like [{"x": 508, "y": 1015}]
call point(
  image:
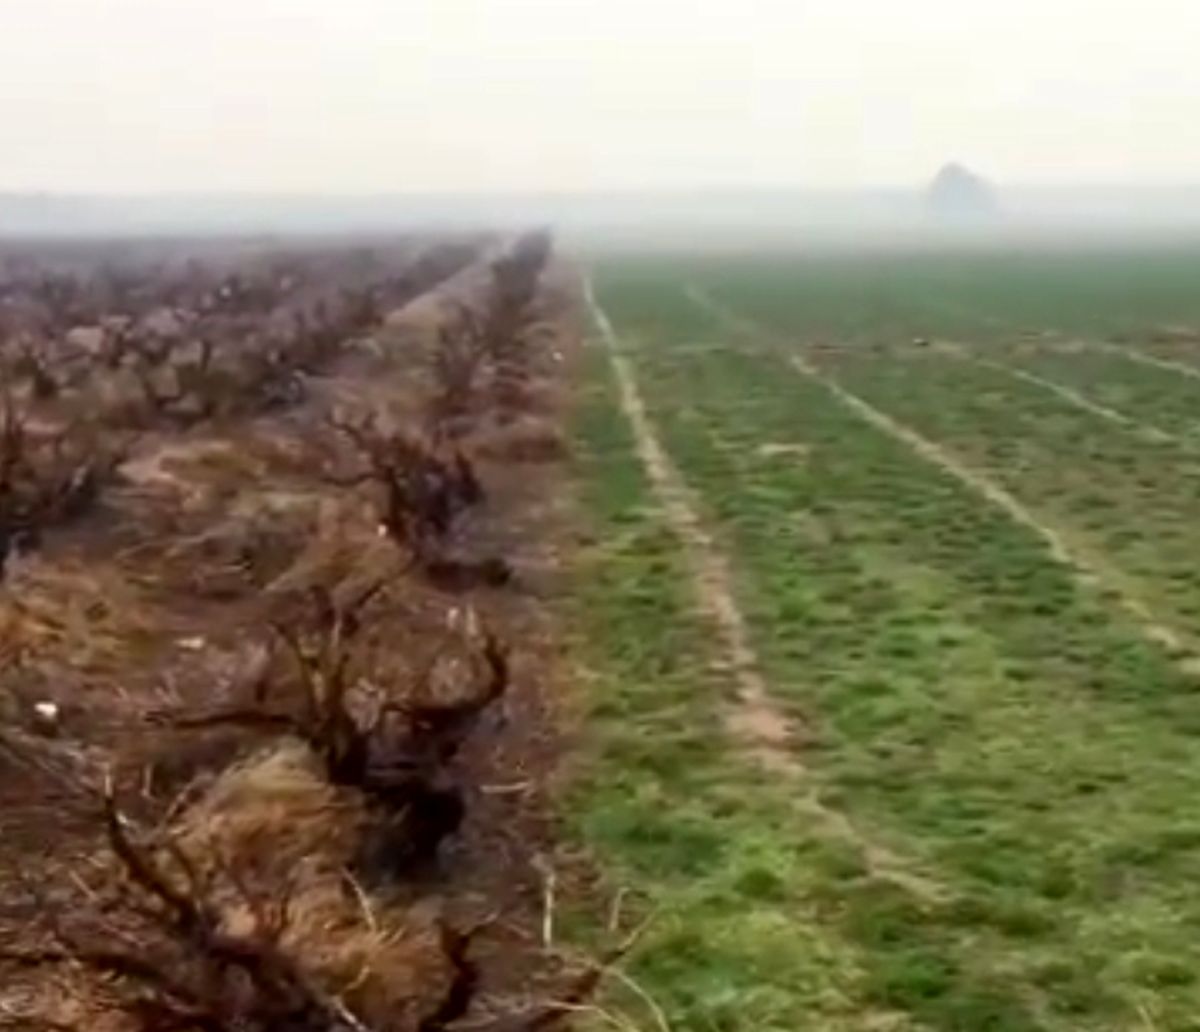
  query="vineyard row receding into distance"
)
[{"x": 277, "y": 672}]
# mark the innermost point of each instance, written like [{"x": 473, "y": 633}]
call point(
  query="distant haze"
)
[
  {"x": 676, "y": 218},
  {"x": 360, "y": 97}
]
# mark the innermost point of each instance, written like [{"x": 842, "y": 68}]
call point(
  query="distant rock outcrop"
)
[{"x": 958, "y": 195}]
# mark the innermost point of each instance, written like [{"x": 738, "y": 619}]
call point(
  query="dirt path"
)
[
  {"x": 1072, "y": 397},
  {"x": 754, "y": 721},
  {"x": 739, "y": 323},
  {"x": 603, "y": 324},
  {"x": 1134, "y": 355},
  {"x": 938, "y": 456},
  {"x": 1090, "y": 569}
]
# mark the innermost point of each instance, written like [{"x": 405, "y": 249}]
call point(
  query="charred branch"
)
[{"x": 423, "y": 491}]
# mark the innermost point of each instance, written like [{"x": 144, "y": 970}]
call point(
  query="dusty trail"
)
[
  {"x": 755, "y": 721},
  {"x": 1089, "y": 569},
  {"x": 1191, "y": 372},
  {"x": 739, "y": 323},
  {"x": 938, "y": 456},
  {"x": 1072, "y": 397},
  {"x": 607, "y": 334}
]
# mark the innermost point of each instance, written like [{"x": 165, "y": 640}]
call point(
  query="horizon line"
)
[{"x": 169, "y": 193}]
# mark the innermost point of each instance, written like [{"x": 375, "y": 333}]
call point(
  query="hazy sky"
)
[{"x": 398, "y": 95}]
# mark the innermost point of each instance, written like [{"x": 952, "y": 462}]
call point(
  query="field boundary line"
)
[
  {"x": 1088, "y": 570},
  {"x": 935, "y": 454},
  {"x": 736, "y": 321},
  {"x": 712, "y": 578},
  {"x": 757, "y": 723},
  {"x": 1072, "y": 397},
  {"x": 1134, "y": 355},
  {"x": 608, "y": 335}
]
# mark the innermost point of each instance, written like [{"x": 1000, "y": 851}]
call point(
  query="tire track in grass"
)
[
  {"x": 1071, "y": 396},
  {"x": 1156, "y": 396},
  {"x": 607, "y": 334},
  {"x": 756, "y": 722},
  {"x": 749, "y": 896},
  {"x": 1091, "y": 571},
  {"x": 938, "y": 456},
  {"x": 735, "y": 321},
  {"x": 1134, "y": 355}
]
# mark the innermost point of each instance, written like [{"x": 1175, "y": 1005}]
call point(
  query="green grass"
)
[
  {"x": 982, "y": 296},
  {"x": 734, "y": 943},
  {"x": 760, "y": 920},
  {"x": 1131, "y": 499},
  {"x": 974, "y": 709},
  {"x": 1160, "y": 398}
]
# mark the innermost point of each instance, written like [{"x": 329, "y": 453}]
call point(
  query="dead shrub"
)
[
  {"x": 524, "y": 439},
  {"x": 424, "y": 491},
  {"x": 47, "y": 477},
  {"x": 484, "y": 351},
  {"x": 393, "y": 742},
  {"x": 241, "y": 919},
  {"x": 89, "y": 617},
  {"x": 458, "y": 364},
  {"x": 511, "y": 315}
]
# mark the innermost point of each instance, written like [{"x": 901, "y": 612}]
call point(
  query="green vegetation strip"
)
[
  {"x": 742, "y": 934},
  {"x": 975, "y": 707},
  {"x": 761, "y": 921},
  {"x": 1133, "y": 500},
  {"x": 982, "y": 296},
  {"x": 1156, "y": 396}
]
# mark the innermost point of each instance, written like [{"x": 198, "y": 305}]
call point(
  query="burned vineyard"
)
[{"x": 266, "y": 634}]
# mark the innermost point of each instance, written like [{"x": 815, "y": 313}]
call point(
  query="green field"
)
[{"x": 1000, "y": 697}]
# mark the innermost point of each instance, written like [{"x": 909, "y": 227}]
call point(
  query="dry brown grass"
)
[
  {"x": 264, "y": 858},
  {"x": 85, "y": 614},
  {"x": 525, "y": 438},
  {"x": 278, "y": 821}
]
